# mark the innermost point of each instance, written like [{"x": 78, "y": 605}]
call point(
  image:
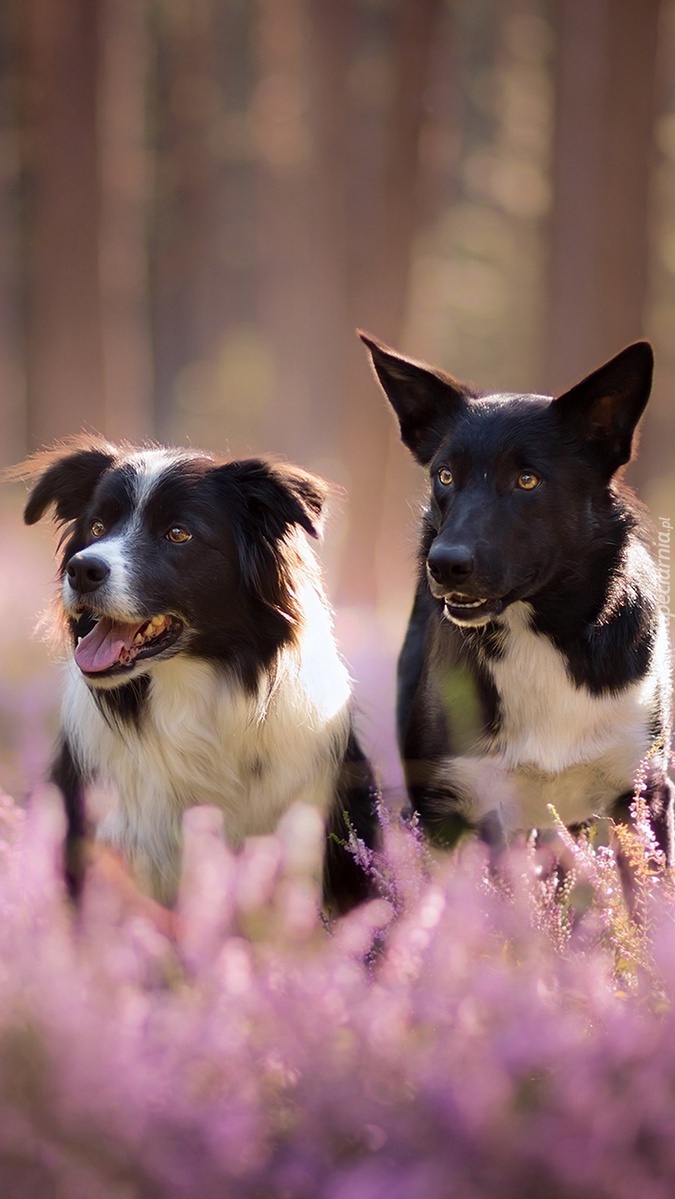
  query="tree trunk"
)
[
  {"x": 285, "y": 221},
  {"x": 12, "y": 377},
  {"x": 123, "y": 243},
  {"x": 64, "y": 346},
  {"x": 379, "y": 552},
  {"x": 603, "y": 153}
]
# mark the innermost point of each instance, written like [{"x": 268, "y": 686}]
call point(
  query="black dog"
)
[
  {"x": 535, "y": 670},
  {"x": 203, "y": 666}
]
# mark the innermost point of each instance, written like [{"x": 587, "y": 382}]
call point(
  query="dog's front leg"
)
[
  {"x": 660, "y": 798},
  {"x": 68, "y": 777},
  {"x": 492, "y": 832},
  {"x": 468, "y": 795}
]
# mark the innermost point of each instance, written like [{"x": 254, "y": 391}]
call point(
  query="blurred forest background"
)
[{"x": 200, "y": 200}]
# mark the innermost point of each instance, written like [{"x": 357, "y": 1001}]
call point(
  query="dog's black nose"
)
[
  {"x": 86, "y": 573},
  {"x": 450, "y": 564}
]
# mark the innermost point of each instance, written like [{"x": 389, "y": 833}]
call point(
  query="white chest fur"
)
[
  {"x": 558, "y": 743},
  {"x": 202, "y": 739}
]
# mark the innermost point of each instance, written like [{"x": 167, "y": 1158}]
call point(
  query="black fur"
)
[
  {"x": 529, "y": 541},
  {"x": 67, "y": 775}
]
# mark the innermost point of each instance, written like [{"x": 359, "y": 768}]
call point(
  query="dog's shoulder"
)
[{"x": 620, "y": 640}]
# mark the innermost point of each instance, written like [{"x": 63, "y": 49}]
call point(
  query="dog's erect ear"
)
[
  {"x": 276, "y": 496},
  {"x": 65, "y": 478},
  {"x": 422, "y": 398},
  {"x": 604, "y": 409}
]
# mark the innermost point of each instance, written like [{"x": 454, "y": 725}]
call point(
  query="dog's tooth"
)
[
  {"x": 458, "y": 602},
  {"x": 154, "y": 626}
]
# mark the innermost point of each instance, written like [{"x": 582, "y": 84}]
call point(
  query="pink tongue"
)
[{"x": 103, "y": 647}]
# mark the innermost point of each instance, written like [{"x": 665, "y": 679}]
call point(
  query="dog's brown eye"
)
[
  {"x": 97, "y": 528},
  {"x": 178, "y": 535},
  {"x": 527, "y": 480},
  {"x": 445, "y": 476}
]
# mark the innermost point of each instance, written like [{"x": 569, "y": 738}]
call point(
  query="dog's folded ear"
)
[
  {"x": 422, "y": 398},
  {"x": 263, "y": 501},
  {"x": 306, "y": 496},
  {"x": 603, "y": 410},
  {"x": 276, "y": 495},
  {"x": 64, "y": 476}
]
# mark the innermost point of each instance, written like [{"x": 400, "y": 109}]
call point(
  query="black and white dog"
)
[
  {"x": 203, "y": 666},
  {"x": 535, "y": 670}
]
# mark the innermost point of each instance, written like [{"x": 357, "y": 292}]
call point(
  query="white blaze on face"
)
[
  {"x": 123, "y": 626},
  {"x": 149, "y": 467}
]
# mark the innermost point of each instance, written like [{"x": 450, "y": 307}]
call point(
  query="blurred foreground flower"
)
[{"x": 460, "y": 1037}]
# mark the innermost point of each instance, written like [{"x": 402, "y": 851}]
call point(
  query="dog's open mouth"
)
[
  {"x": 103, "y": 644},
  {"x": 468, "y": 608}
]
